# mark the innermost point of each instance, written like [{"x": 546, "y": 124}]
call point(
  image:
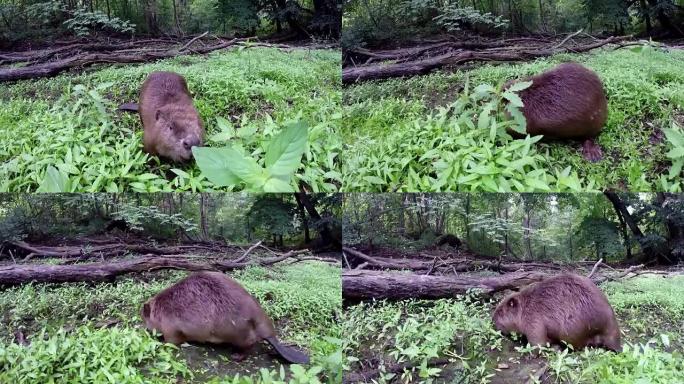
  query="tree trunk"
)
[
  {"x": 325, "y": 232},
  {"x": 204, "y": 234},
  {"x": 305, "y": 221}
]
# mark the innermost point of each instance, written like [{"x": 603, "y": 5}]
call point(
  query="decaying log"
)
[
  {"x": 107, "y": 249},
  {"x": 360, "y": 285},
  {"x": 448, "y": 264},
  {"x": 108, "y": 271}
]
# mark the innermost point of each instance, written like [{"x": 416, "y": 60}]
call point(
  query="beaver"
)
[
  {"x": 566, "y": 307},
  {"x": 450, "y": 239},
  {"x": 566, "y": 102},
  {"x": 171, "y": 123},
  {"x": 210, "y": 307}
]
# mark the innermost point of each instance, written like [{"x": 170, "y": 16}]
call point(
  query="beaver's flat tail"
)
[
  {"x": 288, "y": 353},
  {"x": 130, "y": 107}
]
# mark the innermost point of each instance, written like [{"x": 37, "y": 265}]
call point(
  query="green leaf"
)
[
  {"x": 284, "y": 153},
  {"x": 227, "y": 130},
  {"x": 55, "y": 181},
  {"x": 519, "y": 86},
  {"x": 276, "y": 185},
  {"x": 513, "y": 99},
  {"x": 226, "y": 166}
]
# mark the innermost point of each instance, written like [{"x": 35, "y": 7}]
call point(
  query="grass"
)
[
  {"x": 381, "y": 335},
  {"x": 400, "y": 133},
  {"x": 66, "y": 326},
  {"x": 71, "y": 121}
]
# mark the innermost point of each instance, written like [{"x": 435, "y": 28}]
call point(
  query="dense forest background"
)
[
  {"x": 376, "y": 23},
  {"x": 280, "y": 220},
  {"x": 39, "y": 20},
  {"x": 628, "y": 228}
]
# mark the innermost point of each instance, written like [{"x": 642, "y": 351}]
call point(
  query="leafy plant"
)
[
  {"x": 675, "y": 138},
  {"x": 390, "y": 125},
  {"x": 228, "y": 166},
  {"x": 120, "y": 355},
  {"x": 63, "y": 134},
  {"x": 83, "y": 22},
  {"x": 453, "y": 17},
  {"x": 463, "y": 146}
]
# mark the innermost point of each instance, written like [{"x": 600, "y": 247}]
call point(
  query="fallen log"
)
[
  {"x": 448, "y": 264},
  {"x": 108, "y": 271},
  {"x": 360, "y": 285},
  {"x": 412, "y": 68},
  {"x": 106, "y": 249}
]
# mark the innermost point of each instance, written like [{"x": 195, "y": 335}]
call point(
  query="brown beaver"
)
[
  {"x": 566, "y": 307},
  {"x": 171, "y": 123},
  {"x": 210, "y": 307},
  {"x": 566, "y": 102}
]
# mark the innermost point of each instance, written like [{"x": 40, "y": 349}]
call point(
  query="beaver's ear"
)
[
  {"x": 146, "y": 310},
  {"x": 158, "y": 115},
  {"x": 513, "y": 302}
]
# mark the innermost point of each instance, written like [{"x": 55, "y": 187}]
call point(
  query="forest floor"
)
[
  {"x": 244, "y": 95},
  {"x": 649, "y": 309},
  {"x": 81, "y": 332},
  {"x": 408, "y": 134}
]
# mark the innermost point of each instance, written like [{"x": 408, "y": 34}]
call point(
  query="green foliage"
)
[
  {"x": 303, "y": 299},
  {"x": 461, "y": 147},
  {"x": 227, "y": 166},
  {"x": 460, "y": 329},
  {"x": 672, "y": 182},
  {"x": 84, "y": 22},
  {"x": 417, "y": 331},
  {"x": 405, "y": 134},
  {"x": 46, "y": 20},
  {"x": 453, "y": 18},
  {"x": 87, "y": 355},
  {"x": 273, "y": 214},
  {"x": 68, "y": 123},
  {"x": 150, "y": 217},
  {"x": 378, "y": 22}
]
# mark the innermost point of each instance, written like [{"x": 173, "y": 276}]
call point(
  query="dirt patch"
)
[{"x": 208, "y": 361}]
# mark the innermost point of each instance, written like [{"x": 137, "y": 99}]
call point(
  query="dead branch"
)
[
  {"x": 192, "y": 41},
  {"x": 570, "y": 36},
  {"x": 594, "y": 268},
  {"x": 244, "y": 255}
]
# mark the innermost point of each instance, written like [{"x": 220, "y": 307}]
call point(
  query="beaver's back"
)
[{"x": 566, "y": 102}]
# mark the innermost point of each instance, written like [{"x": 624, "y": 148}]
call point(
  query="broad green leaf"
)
[
  {"x": 55, "y": 181},
  {"x": 225, "y": 166},
  {"x": 276, "y": 185},
  {"x": 284, "y": 153}
]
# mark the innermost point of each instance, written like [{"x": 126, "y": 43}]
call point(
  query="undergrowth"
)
[
  {"x": 407, "y": 134},
  {"x": 381, "y": 335},
  {"x": 67, "y": 321},
  {"x": 70, "y": 122}
]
